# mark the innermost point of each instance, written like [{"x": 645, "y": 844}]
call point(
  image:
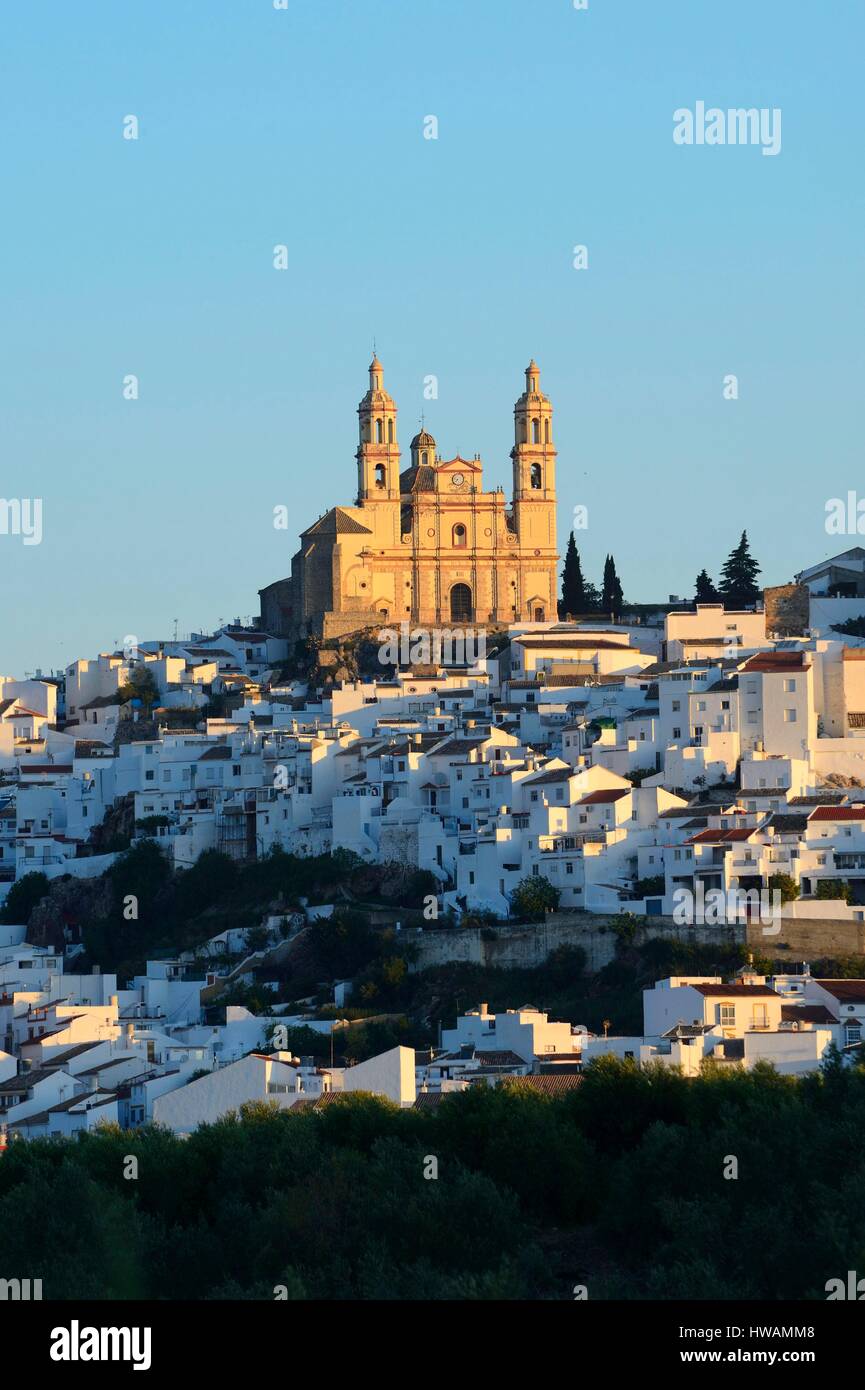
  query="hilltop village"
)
[{"x": 576, "y": 774}]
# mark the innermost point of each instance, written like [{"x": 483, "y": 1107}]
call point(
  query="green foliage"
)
[
  {"x": 834, "y": 890},
  {"x": 705, "y": 591},
  {"x": 612, "y": 598},
  {"x": 345, "y": 943},
  {"x": 784, "y": 884},
  {"x": 573, "y": 601},
  {"x": 638, "y": 775},
  {"x": 625, "y": 926},
  {"x": 852, "y": 627},
  {"x": 22, "y": 897},
  {"x": 650, "y": 887},
  {"x": 533, "y": 897},
  {"x": 140, "y": 686},
  {"x": 738, "y": 586},
  {"x": 618, "y": 1183}
]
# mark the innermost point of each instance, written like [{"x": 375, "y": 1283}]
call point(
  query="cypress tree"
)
[
  {"x": 573, "y": 589},
  {"x": 612, "y": 597}
]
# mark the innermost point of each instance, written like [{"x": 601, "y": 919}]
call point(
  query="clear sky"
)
[{"x": 304, "y": 126}]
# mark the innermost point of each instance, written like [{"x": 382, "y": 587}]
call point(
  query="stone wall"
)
[
  {"x": 787, "y": 610},
  {"x": 525, "y": 946},
  {"x": 801, "y": 939},
  {"x": 529, "y": 945}
]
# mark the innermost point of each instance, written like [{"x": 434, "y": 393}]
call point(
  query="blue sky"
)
[{"x": 305, "y": 127}]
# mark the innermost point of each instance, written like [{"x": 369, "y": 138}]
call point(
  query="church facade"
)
[{"x": 426, "y": 544}]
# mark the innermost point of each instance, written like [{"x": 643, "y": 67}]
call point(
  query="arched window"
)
[
  {"x": 424, "y": 458},
  {"x": 539, "y": 615},
  {"x": 536, "y": 431},
  {"x": 459, "y": 534},
  {"x": 461, "y": 603},
  {"x": 523, "y": 435},
  {"x": 379, "y": 434},
  {"x": 536, "y": 475},
  {"x": 379, "y": 475},
  {"x": 390, "y": 431},
  {"x": 546, "y": 431}
]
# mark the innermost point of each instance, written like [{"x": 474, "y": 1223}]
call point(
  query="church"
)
[{"x": 426, "y": 544}]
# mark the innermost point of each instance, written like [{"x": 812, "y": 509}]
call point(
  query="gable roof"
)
[{"x": 335, "y": 522}]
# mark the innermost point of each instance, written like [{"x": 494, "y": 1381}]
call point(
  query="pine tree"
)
[
  {"x": 705, "y": 589},
  {"x": 738, "y": 585},
  {"x": 612, "y": 597},
  {"x": 573, "y": 590}
]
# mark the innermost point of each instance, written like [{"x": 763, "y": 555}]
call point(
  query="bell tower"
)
[
  {"x": 534, "y": 454},
  {"x": 378, "y": 451},
  {"x": 534, "y": 505}
]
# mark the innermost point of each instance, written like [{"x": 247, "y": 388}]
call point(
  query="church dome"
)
[{"x": 424, "y": 440}]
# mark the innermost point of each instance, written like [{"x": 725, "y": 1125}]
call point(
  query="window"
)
[
  {"x": 390, "y": 431},
  {"x": 535, "y": 476},
  {"x": 459, "y": 535},
  {"x": 379, "y": 475},
  {"x": 536, "y": 431},
  {"x": 789, "y": 716},
  {"x": 701, "y": 705},
  {"x": 676, "y": 706},
  {"x": 546, "y": 431},
  {"x": 569, "y": 868},
  {"x": 728, "y": 1015},
  {"x": 725, "y": 704},
  {"x": 379, "y": 434},
  {"x": 677, "y": 732},
  {"x": 789, "y": 687},
  {"x": 235, "y": 769}
]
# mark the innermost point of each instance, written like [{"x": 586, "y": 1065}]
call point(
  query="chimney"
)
[{"x": 483, "y": 1009}]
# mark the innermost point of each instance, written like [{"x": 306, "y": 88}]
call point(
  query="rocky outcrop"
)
[{"x": 70, "y": 902}]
